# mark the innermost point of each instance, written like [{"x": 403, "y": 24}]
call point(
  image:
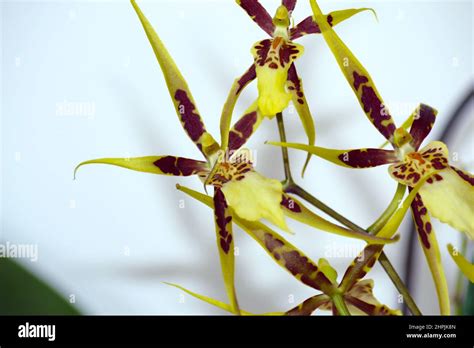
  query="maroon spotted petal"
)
[
  {"x": 180, "y": 166},
  {"x": 422, "y": 124},
  {"x": 289, "y": 4},
  {"x": 258, "y": 14},
  {"x": 305, "y": 27}
]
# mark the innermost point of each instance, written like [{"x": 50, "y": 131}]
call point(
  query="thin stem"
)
[
  {"x": 284, "y": 150},
  {"x": 338, "y": 302},
  {"x": 383, "y": 259}
]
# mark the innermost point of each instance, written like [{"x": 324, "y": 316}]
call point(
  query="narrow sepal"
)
[
  {"x": 352, "y": 158},
  {"x": 294, "y": 209},
  {"x": 179, "y": 91},
  {"x": 429, "y": 244},
  {"x": 225, "y": 245},
  {"x": 464, "y": 265},
  {"x": 165, "y": 165},
  {"x": 357, "y": 77},
  {"x": 258, "y": 14}
]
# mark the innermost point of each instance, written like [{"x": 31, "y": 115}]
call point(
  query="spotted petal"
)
[
  {"x": 179, "y": 91},
  {"x": 309, "y": 26},
  {"x": 165, "y": 165},
  {"x": 309, "y": 305},
  {"x": 451, "y": 199},
  {"x": 273, "y": 58},
  {"x": 432, "y": 157},
  {"x": 429, "y": 243},
  {"x": 354, "y": 158},
  {"x": 357, "y": 77},
  {"x": 282, "y": 251},
  {"x": 294, "y": 209},
  {"x": 258, "y": 14},
  {"x": 424, "y": 119},
  {"x": 295, "y": 86},
  {"x": 244, "y": 128},
  {"x": 225, "y": 245},
  {"x": 226, "y": 116},
  {"x": 465, "y": 266},
  {"x": 361, "y": 301},
  {"x": 289, "y": 4}
]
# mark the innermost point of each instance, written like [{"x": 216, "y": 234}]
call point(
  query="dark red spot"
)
[
  {"x": 290, "y": 204},
  {"x": 367, "y": 158},
  {"x": 189, "y": 117},
  {"x": 358, "y": 80},
  {"x": 245, "y": 127}
]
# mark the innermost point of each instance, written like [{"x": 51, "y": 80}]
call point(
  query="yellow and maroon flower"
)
[
  {"x": 278, "y": 82},
  {"x": 239, "y": 190},
  {"x": 357, "y": 294},
  {"x": 447, "y": 194}
]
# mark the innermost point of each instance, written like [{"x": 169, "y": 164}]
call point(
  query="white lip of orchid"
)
[{"x": 404, "y": 151}]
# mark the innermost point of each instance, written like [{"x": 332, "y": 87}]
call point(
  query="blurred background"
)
[{"x": 79, "y": 80}]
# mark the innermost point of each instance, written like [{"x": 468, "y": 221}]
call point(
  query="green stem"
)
[
  {"x": 338, "y": 302},
  {"x": 284, "y": 150}
]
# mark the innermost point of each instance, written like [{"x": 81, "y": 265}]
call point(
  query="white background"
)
[{"x": 113, "y": 236}]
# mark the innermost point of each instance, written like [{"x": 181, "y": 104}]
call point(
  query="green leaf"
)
[{"x": 22, "y": 293}]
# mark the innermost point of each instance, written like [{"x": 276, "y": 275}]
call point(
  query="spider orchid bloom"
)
[
  {"x": 237, "y": 185},
  {"x": 357, "y": 294},
  {"x": 448, "y": 195},
  {"x": 278, "y": 82}
]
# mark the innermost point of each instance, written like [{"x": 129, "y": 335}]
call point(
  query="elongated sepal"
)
[
  {"x": 295, "y": 86},
  {"x": 165, "y": 165},
  {"x": 423, "y": 120},
  {"x": 357, "y": 77},
  {"x": 227, "y": 111},
  {"x": 258, "y": 14},
  {"x": 179, "y": 91},
  {"x": 282, "y": 252},
  {"x": 353, "y": 158},
  {"x": 360, "y": 266},
  {"x": 219, "y": 304},
  {"x": 429, "y": 243},
  {"x": 464, "y": 265},
  {"x": 243, "y": 129},
  {"x": 225, "y": 245},
  {"x": 294, "y": 209}
]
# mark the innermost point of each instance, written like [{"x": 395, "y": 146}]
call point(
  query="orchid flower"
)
[
  {"x": 237, "y": 186},
  {"x": 447, "y": 195},
  {"x": 278, "y": 82},
  {"x": 321, "y": 276}
]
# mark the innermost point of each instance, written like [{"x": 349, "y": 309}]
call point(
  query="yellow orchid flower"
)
[
  {"x": 227, "y": 168},
  {"x": 447, "y": 195},
  {"x": 278, "y": 81}
]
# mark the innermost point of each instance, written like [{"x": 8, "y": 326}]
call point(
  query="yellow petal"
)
[
  {"x": 327, "y": 269},
  {"x": 451, "y": 200},
  {"x": 256, "y": 197},
  {"x": 465, "y": 266},
  {"x": 273, "y": 58}
]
